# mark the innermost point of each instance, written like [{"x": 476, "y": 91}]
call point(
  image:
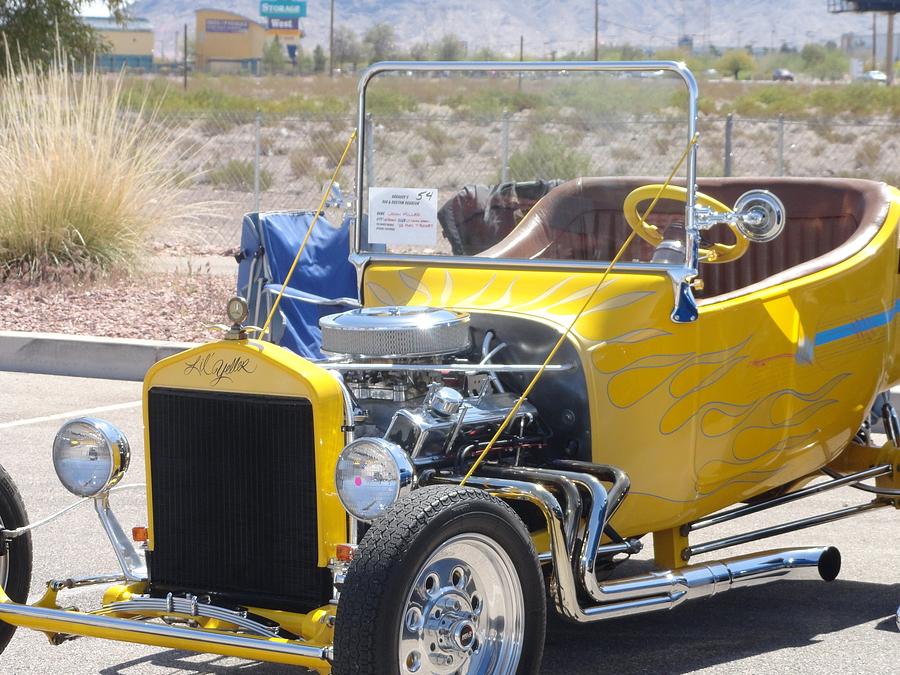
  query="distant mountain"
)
[{"x": 550, "y": 25}]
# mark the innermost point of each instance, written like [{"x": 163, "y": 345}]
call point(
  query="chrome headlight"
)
[
  {"x": 371, "y": 475},
  {"x": 90, "y": 456}
]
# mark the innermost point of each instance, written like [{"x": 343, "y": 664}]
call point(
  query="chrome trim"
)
[
  {"x": 603, "y": 504},
  {"x": 190, "y": 605},
  {"x": 349, "y": 435},
  {"x": 19, "y": 531},
  {"x": 660, "y": 590},
  {"x": 574, "y": 506},
  {"x": 444, "y": 367},
  {"x": 78, "y": 582},
  {"x": 406, "y": 473},
  {"x": 78, "y": 623},
  {"x": 464, "y": 612},
  {"x": 363, "y": 259},
  {"x": 432, "y": 428},
  {"x": 741, "y": 511},
  {"x": 133, "y": 564},
  {"x": 881, "y": 492},
  {"x": 685, "y": 307},
  {"x": 707, "y": 579},
  {"x": 119, "y": 450},
  {"x": 677, "y": 68},
  {"x": 793, "y": 526},
  {"x": 403, "y": 331}
]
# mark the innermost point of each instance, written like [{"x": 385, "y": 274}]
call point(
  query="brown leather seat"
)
[{"x": 583, "y": 220}]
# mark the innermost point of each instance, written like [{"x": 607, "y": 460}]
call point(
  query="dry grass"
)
[{"x": 80, "y": 180}]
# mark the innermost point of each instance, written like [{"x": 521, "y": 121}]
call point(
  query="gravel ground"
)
[{"x": 160, "y": 305}]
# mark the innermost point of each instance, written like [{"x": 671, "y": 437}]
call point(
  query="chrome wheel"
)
[{"x": 465, "y": 612}]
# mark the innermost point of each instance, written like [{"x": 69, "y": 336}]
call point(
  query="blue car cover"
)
[{"x": 269, "y": 242}]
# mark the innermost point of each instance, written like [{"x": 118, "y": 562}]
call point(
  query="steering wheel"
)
[{"x": 716, "y": 253}]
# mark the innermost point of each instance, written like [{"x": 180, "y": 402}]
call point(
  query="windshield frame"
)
[{"x": 688, "y": 269}]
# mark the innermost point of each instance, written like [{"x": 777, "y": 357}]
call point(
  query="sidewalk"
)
[{"x": 82, "y": 355}]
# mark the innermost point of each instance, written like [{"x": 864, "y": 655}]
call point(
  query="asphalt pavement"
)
[{"x": 847, "y": 626}]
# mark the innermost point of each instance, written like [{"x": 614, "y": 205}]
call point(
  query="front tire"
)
[
  {"x": 15, "y": 563},
  {"x": 446, "y": 581}
]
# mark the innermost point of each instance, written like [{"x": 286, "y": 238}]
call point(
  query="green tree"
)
[
  {"x": 36, "y": 29},
  {"x": 631, "y": 53},
  {"x": 825, "y": 63},
  {"x": 419, "y": 52},
  {"x": 735, "y": 62},
  {"x": 487, "y": 54},
  {"x": 381, "y": 41},
  {"x": 274, "y": 57},
  {"x": 450, "y": 48},
  {"x": 347, "y": 48},
  {"x": 318, "y": 59}
]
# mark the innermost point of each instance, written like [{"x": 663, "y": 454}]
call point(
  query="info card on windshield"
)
[{"x": 403, "y": 216}]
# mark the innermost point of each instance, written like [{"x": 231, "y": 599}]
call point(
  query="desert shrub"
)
[
  {"x": 545, "y": 158},
  {"x": 770, "y": 100},
  {"x": 416, "y": 160},
  {"x": 868, "y": 154},
  {"x": 494, "y": 101},
  {"x": 625, "y": 153},
  {"x": 385, "y": 102},
  {"x": 303, "y": 160},
  {"x": 434, "y": 135},
  {"x": 475, "y": 142},
  {"x": 216, "y": 125},
  {"x": 82, "y": 179},
  {"x": 302, "y": 163},
  {"x": 439, "y": 154},
  {"x": 662, "y": 144},
  {"x": 329, "y": 148},
  {"x": 239, "y": 175}
]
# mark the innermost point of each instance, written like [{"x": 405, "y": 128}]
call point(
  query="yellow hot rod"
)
[{"x": 489, "y": 435}]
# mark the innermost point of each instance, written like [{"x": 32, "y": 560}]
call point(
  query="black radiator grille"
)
[{"x": 233, "y": 483}]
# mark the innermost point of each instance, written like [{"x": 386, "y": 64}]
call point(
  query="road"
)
[{"x": 789, "y": 626}]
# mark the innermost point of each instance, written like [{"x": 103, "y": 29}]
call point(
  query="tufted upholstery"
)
[{"x": 582, "y": 220}]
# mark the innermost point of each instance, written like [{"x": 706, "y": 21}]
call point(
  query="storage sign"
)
[
  {"x": 277, "y": 23},
  {"x": 286, "y": 9}
]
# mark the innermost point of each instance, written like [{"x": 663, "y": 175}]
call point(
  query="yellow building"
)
[
  {"x": 130, "y": 44},
  {"x": 228, "y": 42}
]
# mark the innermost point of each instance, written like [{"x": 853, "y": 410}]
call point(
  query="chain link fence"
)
[{"x": 231, "y": 164}]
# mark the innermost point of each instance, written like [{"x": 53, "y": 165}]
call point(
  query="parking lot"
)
[{"x": 786, "y": 627}]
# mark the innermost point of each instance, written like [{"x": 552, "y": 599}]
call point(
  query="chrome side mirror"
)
[{"x": 759, "y": 215}]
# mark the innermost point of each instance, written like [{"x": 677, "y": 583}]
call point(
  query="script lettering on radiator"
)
[{"x": 218, "y": 369}]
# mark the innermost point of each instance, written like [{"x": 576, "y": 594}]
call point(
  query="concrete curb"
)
[{"x": 82, "y": 355}]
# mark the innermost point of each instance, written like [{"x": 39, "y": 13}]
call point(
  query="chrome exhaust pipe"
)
[
  {"x": 708, "y": 579},
  {"x": 657, "y": 590}
]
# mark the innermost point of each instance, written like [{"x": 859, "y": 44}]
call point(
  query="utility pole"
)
[
  {"x": 185, "y": 57},
  {"x": 596, "y": 30},
  {"x": 521, "y": 57},
  {"x": 890, "y": 49},
  {"x": 874, "y": 40},
  {"x": 331, "y": 44}
]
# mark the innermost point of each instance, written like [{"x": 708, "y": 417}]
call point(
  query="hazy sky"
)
[{"x": 95, "y": 9}]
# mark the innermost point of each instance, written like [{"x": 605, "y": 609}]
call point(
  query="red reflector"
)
[
  {"x": 344, "y": 552},
  {"x": 139, "y": 533}
]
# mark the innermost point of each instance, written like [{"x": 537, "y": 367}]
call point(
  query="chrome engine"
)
[{"x": 418, "y": 380}]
